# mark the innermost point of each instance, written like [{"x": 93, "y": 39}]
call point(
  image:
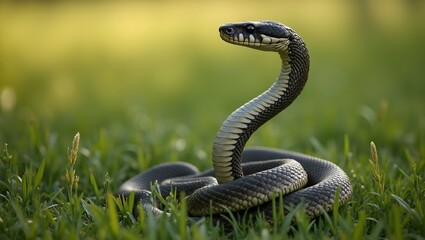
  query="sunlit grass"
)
[
  {"x": 148, "y": 82},
  {"x": 54, "y": 56}
]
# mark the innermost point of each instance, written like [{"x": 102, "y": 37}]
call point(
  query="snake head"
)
[{"x": 261, "y": 35}]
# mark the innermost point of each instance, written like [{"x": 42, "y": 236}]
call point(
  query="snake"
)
[{"x": 251, "y": 179}]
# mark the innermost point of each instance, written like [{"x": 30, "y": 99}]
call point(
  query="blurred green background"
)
[{"x": 130, "y": 68}]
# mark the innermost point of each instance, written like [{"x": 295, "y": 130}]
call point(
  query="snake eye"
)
[
  {"x": 230, "y": 30},
  {"x": 250, "y": 28}
]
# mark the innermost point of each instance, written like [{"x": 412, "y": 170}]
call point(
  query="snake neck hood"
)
[{"x": 239, "y": 126}]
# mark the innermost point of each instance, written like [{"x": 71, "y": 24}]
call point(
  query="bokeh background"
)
[{"x": 130, "y": 68}]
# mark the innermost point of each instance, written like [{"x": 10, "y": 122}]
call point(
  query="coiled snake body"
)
[{"x": 245, "y": 179}]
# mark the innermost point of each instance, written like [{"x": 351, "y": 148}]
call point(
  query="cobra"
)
[{"x": 251, "y": 178}]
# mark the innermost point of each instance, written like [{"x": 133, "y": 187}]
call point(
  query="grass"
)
[
  {"x": 387, "y": 203},
  {"x": 362, "y": 109}
]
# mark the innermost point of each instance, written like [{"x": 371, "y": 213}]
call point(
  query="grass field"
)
[{"x": 150, "y": 82}]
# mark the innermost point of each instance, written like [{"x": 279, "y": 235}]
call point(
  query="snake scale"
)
[{"x": 241, "y": 178}]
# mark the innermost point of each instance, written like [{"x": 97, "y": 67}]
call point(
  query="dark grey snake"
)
[{"x": 250, "y": 179}]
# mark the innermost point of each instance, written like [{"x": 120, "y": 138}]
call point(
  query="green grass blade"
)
[
  {"x": 360, "y": 226},
  {"x": 112, "y": 214},
  {"x": 94, "y": 185},
  {"x": 39, "y": 175},
  {"x": 406, "y": 207}
]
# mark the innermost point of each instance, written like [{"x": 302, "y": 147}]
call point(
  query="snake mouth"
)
[
  {"x": 257, "y": 41},
  {"x": 242, "y": 39}
]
